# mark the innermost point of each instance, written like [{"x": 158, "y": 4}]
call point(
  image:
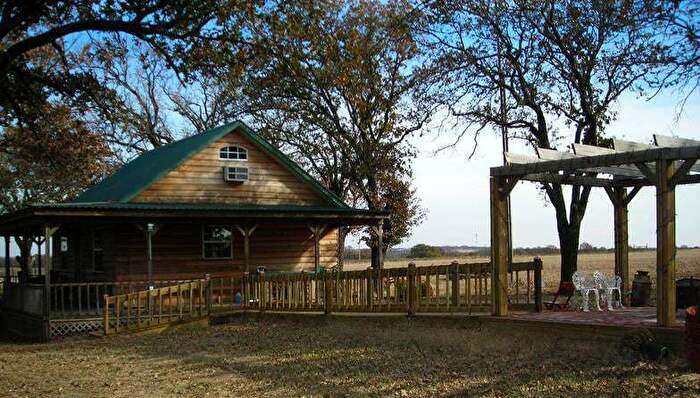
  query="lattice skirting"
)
[{"x": 74, "y": 327}]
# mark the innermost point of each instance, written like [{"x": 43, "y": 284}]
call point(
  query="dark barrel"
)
[
  {"x": 641, "y": 289},
  {"x": 687, "y": 292}
]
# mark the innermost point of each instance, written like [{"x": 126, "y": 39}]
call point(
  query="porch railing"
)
[{"x": 145, "y": 309}]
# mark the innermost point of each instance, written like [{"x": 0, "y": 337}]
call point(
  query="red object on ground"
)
[
  {"x": 566, "y": 290},
  {"x": 692, "y": 338}
]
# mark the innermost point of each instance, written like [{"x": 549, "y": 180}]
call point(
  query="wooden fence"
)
[
  {"x": 455, "y": 287},
  {"x": 151, "y": 308},
  {"x": 85, "y": 299}
]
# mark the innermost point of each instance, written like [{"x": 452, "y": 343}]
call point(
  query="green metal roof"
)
[{"x": 140, "y": 173}]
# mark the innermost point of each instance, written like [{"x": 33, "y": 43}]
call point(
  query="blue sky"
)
[{"x": 454, "y": 189}]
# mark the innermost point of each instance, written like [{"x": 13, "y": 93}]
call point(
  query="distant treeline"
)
[{"x": 429, "y": 251}]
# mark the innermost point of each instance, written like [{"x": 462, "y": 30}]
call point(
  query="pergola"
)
[{"x": 622, "y": 172}]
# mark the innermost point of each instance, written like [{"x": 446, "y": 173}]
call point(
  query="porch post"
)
[
  {"x": 39, "y": 240},
  {"x": 7, "y": 263},
  {"x": 665, "y": 244},
  {"x": 380, "y": 242},
  {"x": 150, "y": 230},
  {"x": 246, "y": 232},
  {"x": 622, "y": 240},
  {"x": 500, "y": 218},
  {"x": 48, "y": 232},
  {"x": 317, "y": 230}
]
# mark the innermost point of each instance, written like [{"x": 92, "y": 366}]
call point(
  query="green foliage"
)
[
  {"x": 335, "y": 83},
  {"x": 424, "y": 251},
  {"x": 59, "y": 106}
]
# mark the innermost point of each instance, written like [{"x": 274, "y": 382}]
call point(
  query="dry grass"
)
[
  {"x": 687, "y": 264},
  {"x": 339, "y": 356}
]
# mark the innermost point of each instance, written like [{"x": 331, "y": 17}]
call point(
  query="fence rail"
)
[
  {"x": 130, "y": 306},
  {"x": 144, "y": 309},
  {"x": 442, "y": 288},
  {"x": 85, "y": 299}
]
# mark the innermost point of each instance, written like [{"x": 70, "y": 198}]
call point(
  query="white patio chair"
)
[
  {"x": 602, "y": 283},
  {"x": 614, "y": 284},
  {"x": 585, "y": 285}
]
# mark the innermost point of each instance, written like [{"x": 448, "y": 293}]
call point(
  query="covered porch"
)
[{"x": 95, "y": 249}]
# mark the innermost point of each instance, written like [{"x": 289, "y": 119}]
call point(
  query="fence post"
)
[
  {"x": 106, "y": 314},
  {"x": 208, "y": 298},
  {"x": 328, "y": 292},
  {"x": 368, "y": 275},
  {"x": 538, "y": 284},
  {"x": 305, "y": 293},
  {"x": 411, "y": 289},
  {"x": 455, "y": 284},
  {"x": 262, "y": 291},
  {"x": 245, "y": 291}
]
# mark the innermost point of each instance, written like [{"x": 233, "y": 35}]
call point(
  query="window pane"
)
[
  {"x": 212, "y": 233},
  {"x": 217, "y": 250},
  {"x": 233, "y": 153}
]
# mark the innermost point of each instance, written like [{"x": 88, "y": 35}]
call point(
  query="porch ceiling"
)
[{"x": 73, "y": 213}]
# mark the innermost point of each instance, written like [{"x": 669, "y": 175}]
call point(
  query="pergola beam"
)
[
  {"x": 683, "y": 171},
  {"x": 568, "y": 179},
  {"x": 621, "y": 171},
  {"x": 613, "y": 159}
]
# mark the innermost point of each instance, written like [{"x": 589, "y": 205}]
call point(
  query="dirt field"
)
[
  {"x": 687, "y": 264},
  {"x": 340, "y": 356}
]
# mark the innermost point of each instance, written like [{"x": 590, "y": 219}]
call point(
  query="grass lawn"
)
[{"x": 338, "y": 356}]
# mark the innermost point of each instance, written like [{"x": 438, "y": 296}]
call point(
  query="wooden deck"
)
[{"x": 630, "y": 317}]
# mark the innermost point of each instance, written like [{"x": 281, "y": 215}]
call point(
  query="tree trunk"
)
[
  {"x": 25, "y": 252},
  {"x": 568, "y": 228},
  {"x": 569, "y": 244},
  {"x": 374, "y": 256},
  {"x": 342, "y": 234}
]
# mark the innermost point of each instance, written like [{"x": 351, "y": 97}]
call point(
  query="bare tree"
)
[{"x": 561, "y": 65}]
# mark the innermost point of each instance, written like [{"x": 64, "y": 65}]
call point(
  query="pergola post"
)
[
  {"x": 247, "y": 232},
  {"x": 622, "y": 240},
  {"x": 500, "y": 219},
  {"x": 665, "y": 244}
]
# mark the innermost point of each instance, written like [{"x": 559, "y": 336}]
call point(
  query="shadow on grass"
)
[
  {"x": 288, "y": 355},
  {"x": 278, "y": 355}
]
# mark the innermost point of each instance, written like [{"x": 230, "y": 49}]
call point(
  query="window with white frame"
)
[
  {"x": 238, "y": 174},
  {"x": 217, "y": 242},
  {"x": 233, "y": 152}
]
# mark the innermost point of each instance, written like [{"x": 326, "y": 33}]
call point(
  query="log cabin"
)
[{"x": 221, "y": 202}]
